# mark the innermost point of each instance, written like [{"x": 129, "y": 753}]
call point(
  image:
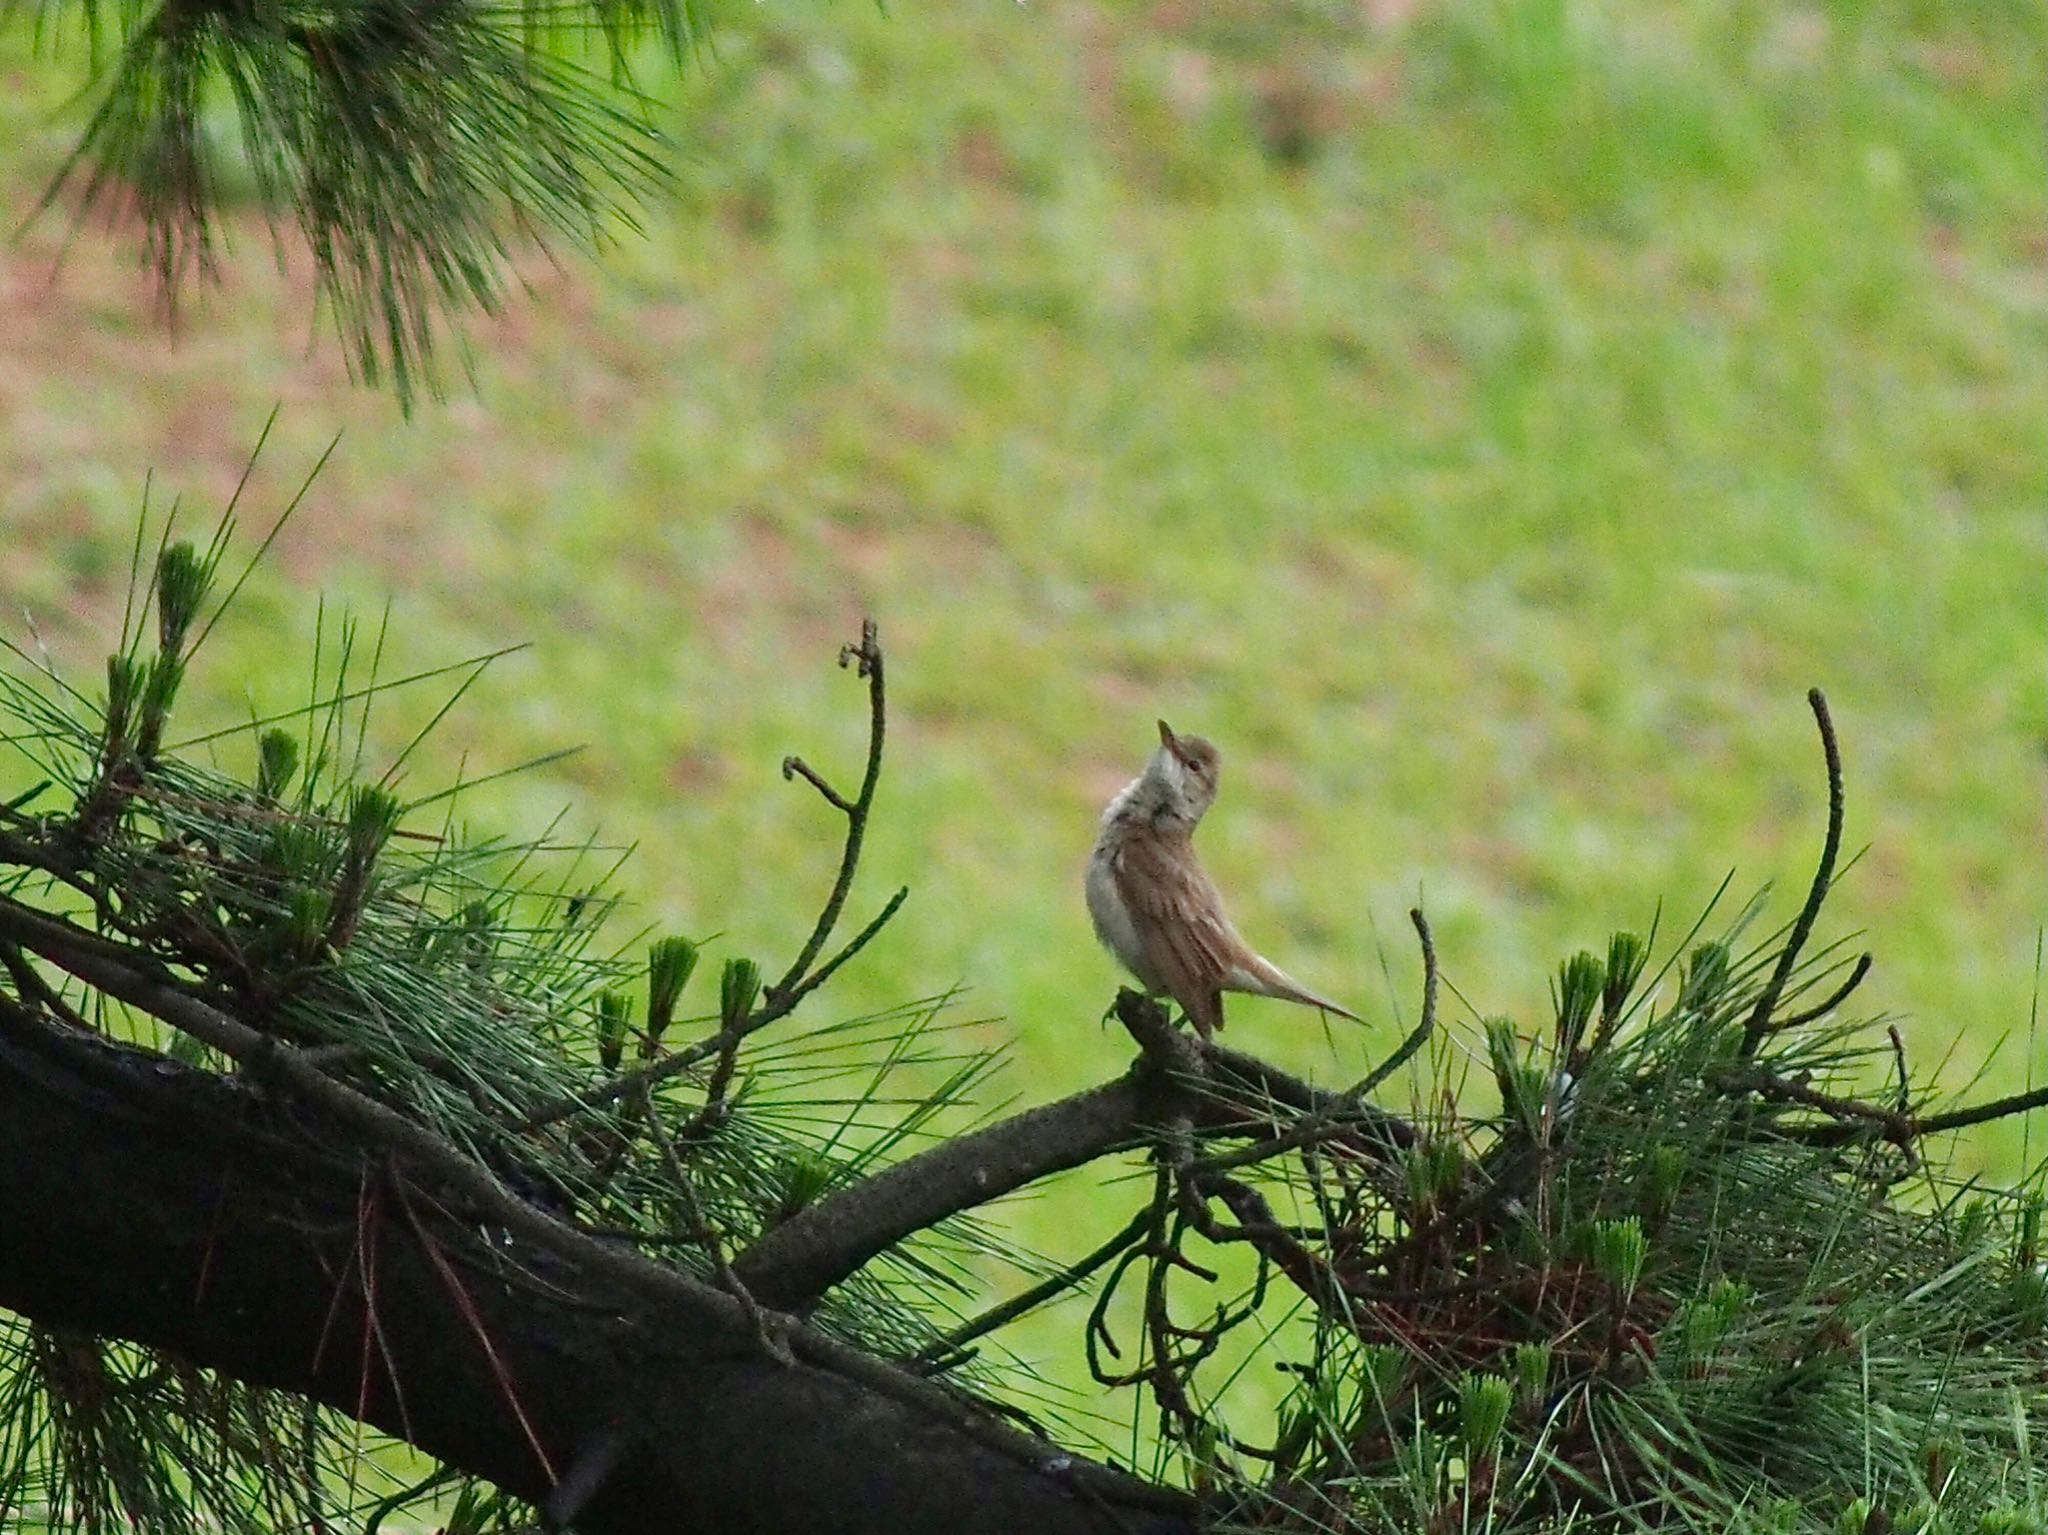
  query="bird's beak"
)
[{"x": 1169, "y": 740}]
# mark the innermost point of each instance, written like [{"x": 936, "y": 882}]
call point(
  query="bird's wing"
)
[{"x": 1187, "y": 941}]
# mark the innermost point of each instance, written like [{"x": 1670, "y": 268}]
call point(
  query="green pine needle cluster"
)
[
  {"x": 413, "y": 145},
  {"x": 1642, "y": 1296}
]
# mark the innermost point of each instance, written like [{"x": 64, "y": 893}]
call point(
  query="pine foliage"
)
[
  {"x": 1687, "y": 1256},
  {"x": 465, "y": 980},
  {"x": 413, "y": 146}
]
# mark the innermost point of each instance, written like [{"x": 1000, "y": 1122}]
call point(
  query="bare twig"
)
[
  {"x": 1346, "y": 1114},
  {"x": 1983, "y": 1113},
  {"x": 1823, "y": 875},
  {"x": 942, "y": 1353},
  {"x": 1834, "y": 1000},
  {"x": 1424, "y": 1026},
  {"x": 796, "y": 767},
  {"x": 800, "y": 979},
  {"x": 866, "y": 659},
  {"x": 1897, "y": 1127}
]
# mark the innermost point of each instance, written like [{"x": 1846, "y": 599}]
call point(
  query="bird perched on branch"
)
[{"x": 1157, "y": 911}]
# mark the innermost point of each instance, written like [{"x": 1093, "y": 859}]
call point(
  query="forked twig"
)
[
  {"x": 1834, "y": 1000},
  {"x": 800, "y": 979},
  {"x": 943, "y": 1353}
]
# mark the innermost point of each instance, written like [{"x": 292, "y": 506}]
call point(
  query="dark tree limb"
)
[
  {"x": 794, "y": 1263},
  {"x": 1220, "y": 1092},
  {"x": 374, "y": 1129},
  {"x": 211, "y": 1216}
]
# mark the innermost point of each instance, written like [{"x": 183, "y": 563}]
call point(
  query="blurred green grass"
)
[{"x": 1484, "y": 419}]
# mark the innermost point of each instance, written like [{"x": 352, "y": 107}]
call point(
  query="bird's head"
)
[{"x": 1183, "y": 772}]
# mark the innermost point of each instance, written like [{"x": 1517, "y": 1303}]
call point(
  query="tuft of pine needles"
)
[{"x": 414, "y": 145}]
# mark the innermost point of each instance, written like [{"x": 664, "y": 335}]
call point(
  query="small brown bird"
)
[{"x": 1155, "y": 909}]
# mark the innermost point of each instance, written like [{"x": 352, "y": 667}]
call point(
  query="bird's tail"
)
[{"x": 1263, "y": 978}]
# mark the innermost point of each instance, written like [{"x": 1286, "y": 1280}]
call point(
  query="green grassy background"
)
[{"x": 1483, "y": 419}]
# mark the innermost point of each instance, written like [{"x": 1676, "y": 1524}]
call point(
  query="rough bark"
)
[{"x": 141, "y": 1200}]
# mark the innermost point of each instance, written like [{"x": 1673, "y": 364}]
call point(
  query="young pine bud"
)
[
  {"x": 1618, "y": 1250},
  {"x": 805, "y": 1175},
  {"x": 159, "y": 692},
  {"x": 1699, "y": 1326},
  {"x": 306, "y": 915},
  {"x": 473, "y": 935},
  {"x": 613, "y": 1011},
  {"x": 277, "y": 759},
  {"x": 1626, "y": 956},
  {"x": 738, "y": 987},
  {"x": 182, "y": 578},
  {"x": 1663, "y": 1172},
  {"x": 125, "y": 677},
  {"x": 371, "y": 816},
  {"x": 2006, "y": 1519},
  {"x": 1385, "y": 1369},
  {"x": 1706, "y": 977},
  {"x": 1520, "y": 1084},
  {"x": 1532, "y": 1373},
  {"x": 1853, "y": 1519},
  {"x": 1434, "y": 1169},
  {"x": 1579, "y": 981},
  {"x": 1729, "y": 1298},
  {"x": 1973, "y": 1223},
  {"x": 2027, "y": 1300},
  {"x": 670, "y": 964},
  {"x": 1483, "y": 1404}
]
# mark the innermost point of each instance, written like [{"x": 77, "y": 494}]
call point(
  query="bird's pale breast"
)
[{"x": 1112, "y": 918}]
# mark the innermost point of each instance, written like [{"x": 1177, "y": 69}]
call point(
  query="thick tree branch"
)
[
  {"x": 796, "y": 1262},
  {"x": 376, "y": 1130},
  {"x": 1221, "y": 1092},
  {"x": 214, "y": 1219}
]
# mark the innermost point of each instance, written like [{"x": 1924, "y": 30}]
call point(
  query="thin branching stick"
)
[
  {"x": 1823, "y": 877},
  {"x": 800, "y": 979}
]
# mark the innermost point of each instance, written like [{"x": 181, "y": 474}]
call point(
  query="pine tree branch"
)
[
  {"x": 792, "y": 1264},
  {"x": 1219, "y": 1092},
  {"x": 208, "y": 1217},
  {"x": 113, "y": 970}
]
